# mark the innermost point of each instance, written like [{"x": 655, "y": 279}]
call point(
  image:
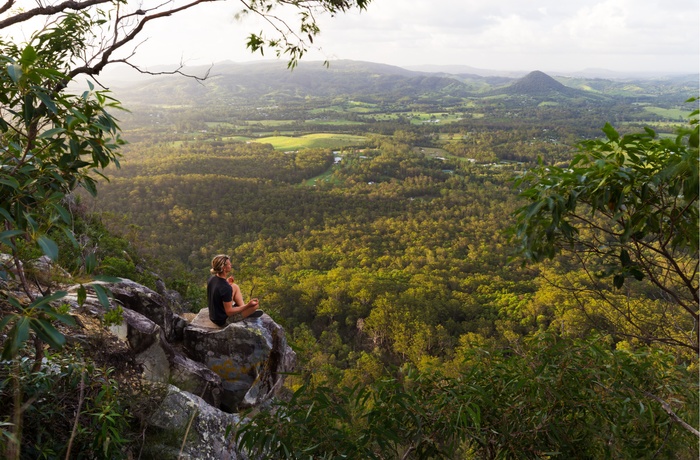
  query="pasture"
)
[{"x": 313, "y": 141}]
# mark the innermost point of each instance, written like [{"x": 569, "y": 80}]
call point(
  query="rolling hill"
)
[{"x": 270, "y": 83}]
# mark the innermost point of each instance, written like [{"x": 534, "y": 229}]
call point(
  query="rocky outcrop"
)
[
  {"x": 162, "y": 363},
  {"x": 211, "y": 372},
  {"x": 245, "y": 362},
  {"x": 250, "y": 356}
]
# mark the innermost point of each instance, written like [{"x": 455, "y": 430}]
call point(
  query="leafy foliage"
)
[
  {"x": 286, "y": 40},
  {"x": 626, "y": 207},
  {"x": 52, "y": 142},
  {"x": 77, "y": 406},
  {"x": 555, "y": 397},
  {"x": 36, "y": 317}
]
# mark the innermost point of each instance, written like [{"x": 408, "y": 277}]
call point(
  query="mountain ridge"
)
[
  {"x": 121, "y": 73},
  {"x": 270, "y": 81}
]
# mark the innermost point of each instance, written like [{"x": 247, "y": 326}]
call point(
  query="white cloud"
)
[{"x": 509, "y": 34}]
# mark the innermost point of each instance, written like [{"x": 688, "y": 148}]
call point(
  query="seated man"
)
[{"x": 224, "y": 296}]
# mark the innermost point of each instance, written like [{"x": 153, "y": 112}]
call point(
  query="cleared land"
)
[{"x": 314, "y": 141}]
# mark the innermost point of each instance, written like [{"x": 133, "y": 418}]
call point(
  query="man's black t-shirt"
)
[{"x": 218, "y": 292}]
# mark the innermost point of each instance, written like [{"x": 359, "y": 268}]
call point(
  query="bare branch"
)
[
  {"x": 669, "y": 410},
  {"x": 106, "y": 53},
  {"x": 7, "y": 6},
  {"x": 177, "y": 71},
  {"x": 48, "y": 11}
]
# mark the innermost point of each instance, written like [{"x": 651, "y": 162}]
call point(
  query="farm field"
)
[{"x": 313, "y": 141}]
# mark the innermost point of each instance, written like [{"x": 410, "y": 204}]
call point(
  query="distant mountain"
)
[
  {"x": 259, "y": 81},
  {"x": 536, "y": 84},
  {"x": 585, "y": 73},
  {"x": 270, "y": 82}
]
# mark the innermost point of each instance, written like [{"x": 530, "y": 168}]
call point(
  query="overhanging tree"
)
[{"x": 626, "y": 208}]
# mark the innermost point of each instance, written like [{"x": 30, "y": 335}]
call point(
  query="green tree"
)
[
  {"x": 536, "y": 403},
  {"x": 626, "y": 208}
]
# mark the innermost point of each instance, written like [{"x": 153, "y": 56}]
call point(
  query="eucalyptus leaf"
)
[{"x": 48, "y": 246}]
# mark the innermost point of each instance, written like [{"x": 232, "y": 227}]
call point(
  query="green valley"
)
[{"x": 371, "y": 210}]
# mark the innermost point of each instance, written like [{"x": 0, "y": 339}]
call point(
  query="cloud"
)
[{"x": 515, "y": 34}]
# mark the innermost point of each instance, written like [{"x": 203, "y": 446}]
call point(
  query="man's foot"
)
[{"x": 256, "y": 314}]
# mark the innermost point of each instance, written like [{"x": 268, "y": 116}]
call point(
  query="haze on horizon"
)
[{"x": 522, "y": 35}]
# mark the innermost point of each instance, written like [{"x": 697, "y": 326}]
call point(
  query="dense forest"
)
[{"x": 388, "y": 252}]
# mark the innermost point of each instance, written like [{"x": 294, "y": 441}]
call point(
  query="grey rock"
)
[
  {"x": 209, "y": 431},
  {"x": 162, "y": 363},
  {"x": 250, "y": 356},
  {"x": 147, "y": 302}
]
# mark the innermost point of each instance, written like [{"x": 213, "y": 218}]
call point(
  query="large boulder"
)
[
  {"x": 151, "y": 305},
  {"x": 162, "y": 363},
  {"x": 209, "y": 431},
  {"x": 250, "y": 356}
]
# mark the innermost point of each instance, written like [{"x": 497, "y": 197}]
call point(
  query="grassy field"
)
[
  {"x": 673, "y": 114},
  {"x": 433, "y": 152},
  {"x": 314, "y": 141},
  {"x": 236, "y": 138},
  {"x": 325, "y": 177},
  {"x": 269, "y": 123},
  {"x": 437, "y": 118},
  {"x": 339, "y": 122}
]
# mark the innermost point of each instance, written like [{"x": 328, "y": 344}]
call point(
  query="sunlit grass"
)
[{"x": 313, "y": 141}]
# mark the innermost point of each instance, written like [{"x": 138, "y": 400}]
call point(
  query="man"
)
[{"x": 224, "y": 296}]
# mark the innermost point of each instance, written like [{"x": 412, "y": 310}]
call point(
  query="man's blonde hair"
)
[{"x": 218, "y": 263}]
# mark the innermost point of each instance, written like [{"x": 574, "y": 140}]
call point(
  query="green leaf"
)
[
  {"x": 90, "y": 263},
  {"x": 618, "y": 281},
  {"x": 108, "y": 279},
  {"x": 63, "y": 212},
  {"x": 7, "y": 216},
  {"x": 42, "y": 301},
  {"x": 101, "y": 295},
  {"x": 47, "y": 101},
  {"x": 610, "y": 132},
  {"x": 82, "y": 295},
  {"x": 71, "y": 237},
  {"x": 5, "y": 320},
  {"x": 48, "y": 246},
  {"x": 15, "y": 72},
  {"x": 90, "y": 186},
  {"x": 11, "y": 181},
  {"x": 19, "y": 333},
  {"x": 625, "y": 258},
  {"x": 5, "y": 237},
  {"x": 51, "y": 132},
  {"x": 29, "y": 56},
  {"x": 637, "y": 273},
  {"x": 47, "y": 332}
]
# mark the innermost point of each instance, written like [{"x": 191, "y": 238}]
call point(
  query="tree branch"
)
[
  {"x": 46, "y": 10},
  {"x": 669, "y": 410}
]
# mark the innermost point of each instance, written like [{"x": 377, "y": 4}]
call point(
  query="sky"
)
[{"x": 547, "y": 35}]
